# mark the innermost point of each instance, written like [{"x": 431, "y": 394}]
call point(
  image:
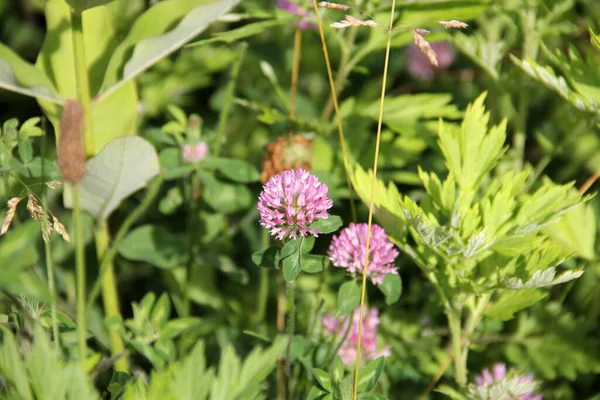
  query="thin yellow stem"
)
[
  {"x": 337, "y": 110},
  {"x": 371, "y": 203}
]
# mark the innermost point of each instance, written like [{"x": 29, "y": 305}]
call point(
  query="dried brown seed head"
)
[
  {"x": 286, "y": 153},
  {"x": 425, "y": 47},
  {"x": 353, "y": 21},
  {"x": 10, "y": 214},
  {"x": 53, "y": 184},
  {"x": 71, "y": 153},
  {"x": 36, "y": 212},
  {"x": 60, "y": 229},
  {"x": 453, "y": 24},
  {"x": 335, "y": 6}
]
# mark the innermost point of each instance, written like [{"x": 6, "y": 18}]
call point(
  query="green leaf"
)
[
  {"x": 512, "y": 301},
  {"x": 369, "y": 375},
  {"x": 322, "y": 378},
  {"x": 248, "y": 30},
  {"x": 576, "y": 230},
  {"x": 268, "y": 258},
  {"x": 426, "y": 12},
  {"x": 56, "y": 61},
  {"x": 542, "y": 278},
  {"x": 177, "y": 326},
  {"x": 328, "y": 225},
  {"x": 316, "y": 394},
  {"x": 291, "y": 247},
  {"x": 313, "y": 264},
  {"x": 236, "y": 170},
  {"x": 337, "y": 373},
  {"x": 25, "y": 149},
  {"x": 226, "y": 197},
  {"x": 124, "y": 166},
  {"x": 391, "y": 288},
  {"x": 348, "y": 298},
  {"x": 148, "y": 40},
  {"x": 81, "y": 5},
  {"x": 161, "y": 311},
  {"x": 292, "y": 266},
  {"x": 473, "y": 150},
  {"x": 17, "y": 75},
  {"x": 451, "y": 392},
  {"x": 155, "y": 245}
]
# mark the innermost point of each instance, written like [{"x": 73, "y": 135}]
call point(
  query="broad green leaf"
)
[
  {"x": 17, "y": 251},
  {"x": 150, "y": 41},
  {"x": 236, "y": 170},
  {"x": 56, "y": 60},
  {"x": 316, "y": 394},
  {"x": 17, "y": 75},
  {"x": 248, "y": 30},
  {"x": 268, "y": 258},
  {"x": 292, "y": 266},
  {"x": 370, "y": 374},
  {"x": 124, "y": 166},
  {"x": 391, "y": 288},
  {"x": 153, "y": 244},
  {"x": 313, "y": 264},
  {"x": 161, "y": 311},
  {"x": 328, "y": 225},
  {"x": 322, "y": 378},
  {"x": 291, "y": 247},
  {"x": 348, "y": 298},
  {"x": 226, "y": 197},
  {"x": 82, "y": 5},
  {"x": 512, "y": 301}
]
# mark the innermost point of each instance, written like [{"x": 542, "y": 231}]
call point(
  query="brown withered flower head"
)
[
  {"x": 71, "y": 154},
  {"x": 285, "y": 153}
]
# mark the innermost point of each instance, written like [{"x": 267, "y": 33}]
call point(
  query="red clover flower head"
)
[
  {"x": 348, "y": 251},
  {"x": 194, "y": 153},
  {"x": 497, "y": 374},
  {"x": 291, "y": 201},
  {"x": 347, "y": 350}
]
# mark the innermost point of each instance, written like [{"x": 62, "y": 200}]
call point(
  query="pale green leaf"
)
[
  {"x": 512, "y": 301},
  {"x": 124, "y": 166},
  {"x": 542, "y": 278}
]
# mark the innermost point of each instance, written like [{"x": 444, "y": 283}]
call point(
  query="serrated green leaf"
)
[{"x": 512, "y": 301}]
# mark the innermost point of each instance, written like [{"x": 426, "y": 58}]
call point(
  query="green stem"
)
[
  {"x": 454, "y": 323},
  {"x": 48, "y": 252},
  {"x": 82, "y": 79},
  {"x": 80, "y": 274},
  {"x": 291, "y": 327},
  {"x": 263, "y": 290},
  {"x": 110, "y": 254},
  {"x": 110, "y": 295},
  {"x": 229, "y": 92},
  {"x": 193, "y": 200}
]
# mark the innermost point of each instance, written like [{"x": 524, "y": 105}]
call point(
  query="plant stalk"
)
[
  {"x": 82, "y": 80},
  {"x": 336, "y": 107},
  {"x": 263, "y": 290},
  {"x": 80, "y": 274},
  {"x": 371, "y": 204},
  {"x": 110, "y": 296},
  {"x": 280, "y": 384},
  {"x": 460, "y": 367},
  {"x": 229, "y": 92}
]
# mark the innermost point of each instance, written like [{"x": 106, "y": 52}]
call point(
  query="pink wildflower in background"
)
[
  {"x": 348, "y": 251},
  {"x": 289, "y": 7},
  {"x": 291, "y": 201},
  {"x": 419, "y": 65},
  {"x": 194, "y": 152},
  {"x": 497, "y": 374},
  {"x": 347, "y": 350}
]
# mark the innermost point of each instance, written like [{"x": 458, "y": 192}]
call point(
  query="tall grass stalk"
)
[
  {"x": 371, "y": 203},
  {"x": 336, "y": 107}
]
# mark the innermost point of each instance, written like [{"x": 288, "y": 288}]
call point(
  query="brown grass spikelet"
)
[
  {"x": 353, "y": 21},
  {"x": 71, "y": 153},
  {"x": 60, "y": 229},
  {"x": 10, "y": 214},
  {"x": 335, "y": 6},
  {"x": 35, "y": 210},
  {"x": 425, "y": 47},
  {"x": 453, "y": 24},
  {"x": 286, "y": 153},
  {"x": 46, "y": 229},
  {"x": 422, "y": 32},
  {"x": 54, "y": 184}
]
